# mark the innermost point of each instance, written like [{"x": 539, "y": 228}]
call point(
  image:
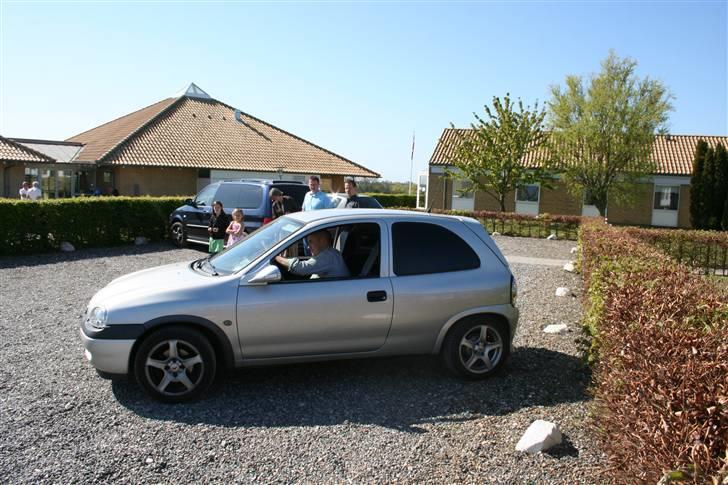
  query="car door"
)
[
  {"x": 317, "y": 316},
  {"x": 198, "y": 219}
]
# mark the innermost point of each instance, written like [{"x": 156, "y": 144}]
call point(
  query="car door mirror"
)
[
  {"x": 269, "y": 274},
  {"x": 190, "y": 202}
]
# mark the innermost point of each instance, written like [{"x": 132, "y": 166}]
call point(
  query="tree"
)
[
  {"x": 490, "y": 156},
  {"x": 602, "y": 130},
  {"x": 709, "y": 221},
  {"x": 697, "y": 204},
  {"x": 720, "y": 184}
]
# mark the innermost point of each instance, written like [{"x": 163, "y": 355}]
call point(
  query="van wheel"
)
[
  {"x": 177, "y": 234},
  {"x": 476, "y": 348},
  {"x": 175, "y": 364}
]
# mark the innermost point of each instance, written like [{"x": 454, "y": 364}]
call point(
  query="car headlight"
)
[
  {"x": 514, "y": 291},
  {"x": 97, "y": 317}
]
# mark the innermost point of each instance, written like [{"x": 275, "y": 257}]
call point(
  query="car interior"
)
[{"x": 359, "y": 244}]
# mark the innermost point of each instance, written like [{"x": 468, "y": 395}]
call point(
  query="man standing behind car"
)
[
  {"x": 281, "y": 204},
  {"x": 315, "y": 199},
  {"x": 353, "y": 201}
]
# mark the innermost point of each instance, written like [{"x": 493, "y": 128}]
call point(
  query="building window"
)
[
  {"x": 108, "y": 177},
  {"x": 463, "y": 189},
  {"x": 528, "y": 193},
  {"x": 31, "y": 175},
  {"x": 667, "y": 197}
]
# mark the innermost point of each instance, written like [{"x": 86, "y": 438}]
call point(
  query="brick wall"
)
[
  {"x": 13, "y": 177},
  {"x": 558, "y": 200},
  {"x": 486, "y": 202},
  {"x": 155, "y": 181},
  {"x": 639, "y": 212},
  {"x": 332, "y": 183}
]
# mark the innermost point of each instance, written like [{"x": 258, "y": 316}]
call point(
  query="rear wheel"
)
[
  {"x": 177, "y": 234},
  {"x": 476, "y": 348},
  {"x": 175, "y": 364}
]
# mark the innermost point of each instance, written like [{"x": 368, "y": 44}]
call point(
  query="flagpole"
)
[{"x": 412, "y": 163}]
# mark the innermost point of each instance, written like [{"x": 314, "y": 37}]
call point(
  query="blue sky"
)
[{"x": 355, "y": 77}]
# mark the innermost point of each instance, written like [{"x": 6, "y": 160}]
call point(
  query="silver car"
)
[{"x": 420, "y": 284}]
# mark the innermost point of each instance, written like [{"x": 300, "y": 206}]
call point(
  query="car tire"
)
[
  {"x": 177, "y": 234},
  {"x": 175, "y": 364},
  {"x": 476, "y": 347}
]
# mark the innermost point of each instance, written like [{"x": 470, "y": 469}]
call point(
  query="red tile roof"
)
[
  {"x": 673, "y": 154},
  {"x": 204, "y": 133},
  {"x": 13, "y": 151}
]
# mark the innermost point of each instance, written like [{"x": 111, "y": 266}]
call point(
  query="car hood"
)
[{"x": 149, "y": 284}]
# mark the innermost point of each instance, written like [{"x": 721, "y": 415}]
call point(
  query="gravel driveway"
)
[{"x": 387, "y": 420}]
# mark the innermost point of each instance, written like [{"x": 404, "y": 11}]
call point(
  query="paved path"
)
[{"x": 536, "y": 261}]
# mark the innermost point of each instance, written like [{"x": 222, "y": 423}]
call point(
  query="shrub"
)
[
  {"x": 396, "y": 200},
  {"x": 660, "y": 340},
  {"x": 33, "y": 227}
]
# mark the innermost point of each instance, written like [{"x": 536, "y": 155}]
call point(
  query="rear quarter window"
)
[
  {"x": 425, "y": 248},
  {"x": 241, "y": 196},
  {"x": 296, "y": 191}
]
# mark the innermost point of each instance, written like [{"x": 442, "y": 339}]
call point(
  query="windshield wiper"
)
[{"x": 212, "y": 267}]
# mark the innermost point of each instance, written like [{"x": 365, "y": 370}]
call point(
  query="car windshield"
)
[{"x": 241, "y": 254}]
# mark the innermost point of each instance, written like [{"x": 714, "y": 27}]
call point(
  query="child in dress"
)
[{"x": 236, "y": 229}]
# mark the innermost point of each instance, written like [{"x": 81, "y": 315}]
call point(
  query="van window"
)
[
  {"x": 251, "y": 196},
  {"x": 206, "y": 196},
  {"x": 423, "y": 248}
]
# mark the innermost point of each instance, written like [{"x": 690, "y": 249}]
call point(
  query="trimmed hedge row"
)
[
  {"x": 396, "y": 200},
  {"x": 34, "y": 227},
  {"x": 659, "y": 337},
  {"x": 524, "y": 225}
]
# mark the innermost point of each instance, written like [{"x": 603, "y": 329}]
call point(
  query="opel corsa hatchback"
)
[{"x": 418, "y": 284}]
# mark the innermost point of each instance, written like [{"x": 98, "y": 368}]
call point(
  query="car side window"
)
[
  {"x": 206, "y": 196},
  {"x": 358, "y": 244},
  {"x": 228, "y": 195},
  {"x": 424, "y": 248},
  {"x": 250, "y": 196}
]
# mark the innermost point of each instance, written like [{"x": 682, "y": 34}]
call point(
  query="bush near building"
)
[
  {"x": 395, "y": 200},
  {"x": 659, "y": 337},
  {"x": 36, "y": 227}
]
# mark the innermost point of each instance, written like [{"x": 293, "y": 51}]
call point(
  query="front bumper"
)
[{"x": 110, "y": 356}]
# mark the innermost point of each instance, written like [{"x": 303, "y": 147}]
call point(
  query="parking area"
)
[{"x": 397, "y": 419}]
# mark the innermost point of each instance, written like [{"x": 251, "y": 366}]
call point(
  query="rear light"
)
[
  {"x": 266, "y": 220},
  {"x": 514, "y": 291}
]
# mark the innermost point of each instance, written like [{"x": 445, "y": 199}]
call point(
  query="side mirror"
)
[
  {"x": 269, "y": 274},
  {"x": 190, "y": 202}
]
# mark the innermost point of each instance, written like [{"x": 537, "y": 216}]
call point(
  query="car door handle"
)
[{"x": 377, "y": 296}]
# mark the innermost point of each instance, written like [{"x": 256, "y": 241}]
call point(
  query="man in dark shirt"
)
[
  {"x": 353, "y": 201},
  {"x": 281, "y": 204}
]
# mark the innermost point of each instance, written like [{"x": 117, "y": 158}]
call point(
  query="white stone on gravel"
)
[
  {"x": 540, "y": 436},
  {"x": 67, "y": 247},
  {"x": 562, "y": 291},
  {"x": 140, "y": 240},
  {"x": 574, "y": 250},
  {"x": 552, "y": 237},
  {"x": 558, "y": 328},
  {"x": 495, "y": 233},
  {"x": 569, "y": 267}
]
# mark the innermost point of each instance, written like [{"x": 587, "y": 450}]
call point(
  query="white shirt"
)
[
  {"x": 34, "y": 193},
  {"x": 23, "y": 193}
]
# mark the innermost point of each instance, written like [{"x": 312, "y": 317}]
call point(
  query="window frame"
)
[
  {"x": 538, "y": 194},
  {"x": 655, "y": 194}
]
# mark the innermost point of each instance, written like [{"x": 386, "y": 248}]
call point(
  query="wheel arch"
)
[
  {"x": 474, "y": 313},
  {"x": 217, "y": 338}
]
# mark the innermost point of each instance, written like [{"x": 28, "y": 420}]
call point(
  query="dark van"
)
[{"x": 189, "y": 222}]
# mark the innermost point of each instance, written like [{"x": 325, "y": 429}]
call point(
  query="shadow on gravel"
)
[
  {"x": 82, "y": 254},
  {"x": 399, "y": 393}
]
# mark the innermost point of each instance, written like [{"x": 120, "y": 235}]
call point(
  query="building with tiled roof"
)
[
  {"x": 664, "y": 200},
  {"x": 177, "y": 146}
]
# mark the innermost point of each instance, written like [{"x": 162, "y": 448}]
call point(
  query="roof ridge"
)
[
  {"x": 22, "y": 147},
  {"x": 298, "y": 138}
]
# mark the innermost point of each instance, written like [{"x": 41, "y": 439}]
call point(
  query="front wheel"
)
[
  {"x": 476, "y": 348},
  {"x": 175, "y": 364},
  {"x": 177, "y": 234}
]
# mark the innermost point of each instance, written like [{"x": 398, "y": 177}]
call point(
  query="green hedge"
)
[
  {"x": 395, "y": 200},
  {"x": 35, "y": 227}
]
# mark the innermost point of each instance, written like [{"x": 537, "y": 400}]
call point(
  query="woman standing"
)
[{"x": 218, "y": 223}]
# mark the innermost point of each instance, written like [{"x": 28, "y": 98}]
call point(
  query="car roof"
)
[
  {"x": 318, "y": 215},
  {"x": 261, "y": 181}
]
